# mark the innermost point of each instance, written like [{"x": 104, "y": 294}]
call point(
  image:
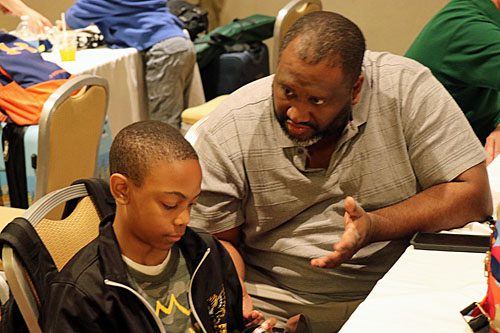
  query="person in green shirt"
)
[{"x": 461, "y": 46}]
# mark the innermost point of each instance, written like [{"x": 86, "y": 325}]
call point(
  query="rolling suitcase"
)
[
  {"x": 238, "y": 65},
  {"x": 20, "y": 148}
]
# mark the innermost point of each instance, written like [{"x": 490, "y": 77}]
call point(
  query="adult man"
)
[
  {"x": 465, "y": 41},
  {"x": 281, "y": 155}
]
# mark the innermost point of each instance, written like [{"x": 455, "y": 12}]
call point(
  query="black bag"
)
[
  {"x": 254, "y": 28},
  {"x": 194, "y": 18},
  {"x": 14, "y": 155},
  {"x": 238, "y": 65},
  {"x": 40, "y": 266}
]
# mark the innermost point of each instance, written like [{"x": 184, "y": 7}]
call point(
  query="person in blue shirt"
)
[{"x": 148, "y": 26}]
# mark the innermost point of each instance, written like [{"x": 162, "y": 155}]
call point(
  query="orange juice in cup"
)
[{"x": 66, "y": 44}]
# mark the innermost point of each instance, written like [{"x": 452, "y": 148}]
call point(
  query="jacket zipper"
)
[
  {"x": 190, "y": 294},
  {"x": 151, "y": 310},
  {"x": 142, "y": 299}
]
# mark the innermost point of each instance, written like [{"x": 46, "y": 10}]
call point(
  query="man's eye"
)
[
  {"x": 287, "y": 92},
  {"x": 317, "y": 101}
]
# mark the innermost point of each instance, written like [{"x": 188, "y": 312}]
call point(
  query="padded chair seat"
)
[{"x": 195, "y": 113}]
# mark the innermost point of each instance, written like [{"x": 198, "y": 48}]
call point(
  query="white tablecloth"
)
[
  {"x": 425, "y": 290},
  {"x": 124, "y": 71}
]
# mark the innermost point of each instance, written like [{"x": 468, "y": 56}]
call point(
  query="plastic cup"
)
[{"x": 65, "y": 42}]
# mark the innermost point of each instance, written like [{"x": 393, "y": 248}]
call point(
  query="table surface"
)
[
  {"x": 7, "y": 214},
  {"x": 425, "y": 290}
]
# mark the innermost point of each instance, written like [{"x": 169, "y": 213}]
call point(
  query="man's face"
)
[
  {"x": 158, "y": 211},
  {"x": 311, "y": 101}
]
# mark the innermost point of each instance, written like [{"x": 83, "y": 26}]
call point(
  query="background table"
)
[{"x": 123, "y": 68}]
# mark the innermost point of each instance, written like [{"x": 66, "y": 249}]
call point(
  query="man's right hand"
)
[{"x": 357, "y": 232}]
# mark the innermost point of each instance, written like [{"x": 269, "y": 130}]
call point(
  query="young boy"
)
[
  {"x": 147, "y": 271},
  {"x": 148, "y": 26}
]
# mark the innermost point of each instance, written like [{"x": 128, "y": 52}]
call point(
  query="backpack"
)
[
  {"x": 26, "y": 81},
  {"x": 194, "y": 18},
  {"x": 255, "y": 28},
  {"x": 484, "y": 316},
  {"x": 40, "y": 266}
]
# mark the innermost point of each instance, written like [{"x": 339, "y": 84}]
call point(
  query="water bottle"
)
[{"x": 24, "y": 32}]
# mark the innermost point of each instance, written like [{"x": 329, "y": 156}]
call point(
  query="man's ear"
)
[
  {"x": 356, "y": 89},
  {"x": 120, "y": 188}
]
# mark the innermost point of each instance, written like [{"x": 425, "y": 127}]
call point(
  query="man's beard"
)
[{"x": 334, "y": 129}]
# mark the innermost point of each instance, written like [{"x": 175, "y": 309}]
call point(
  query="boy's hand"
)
[
  {"x": 266, "y": 326},
  {"x": 252, "y": 317}
]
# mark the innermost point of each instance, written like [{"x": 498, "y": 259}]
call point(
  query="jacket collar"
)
[{"x": 114, "y": 268}]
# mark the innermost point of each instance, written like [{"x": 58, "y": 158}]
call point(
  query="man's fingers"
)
[
  {"x": 353, "y": 208},
  {"x": 329, "y": 261}
]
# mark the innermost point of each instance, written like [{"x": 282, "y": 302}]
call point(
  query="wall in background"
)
[{"x": 388, "y": 25}]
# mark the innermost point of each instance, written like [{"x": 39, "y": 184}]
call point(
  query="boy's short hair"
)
[{"x": 142, "y": 144}]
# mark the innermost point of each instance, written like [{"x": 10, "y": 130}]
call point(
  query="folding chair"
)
[
  {"x": 62, "y": 239},
  {"x": 287, "y": 15},
  {"x": 71, "y": 125}
]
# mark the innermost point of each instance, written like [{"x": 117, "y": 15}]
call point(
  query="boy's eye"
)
[{"x": 169, "y": 206}]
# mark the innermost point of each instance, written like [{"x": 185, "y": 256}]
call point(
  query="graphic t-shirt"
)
[{"x": 165, "y": 287}]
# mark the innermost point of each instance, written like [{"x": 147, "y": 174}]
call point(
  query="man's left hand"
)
[
  {"x": 492, "y": 145},
  {"x": 356, "y": 235}
]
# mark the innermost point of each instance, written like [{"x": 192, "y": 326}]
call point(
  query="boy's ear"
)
[{"x": 119, "y": 186}]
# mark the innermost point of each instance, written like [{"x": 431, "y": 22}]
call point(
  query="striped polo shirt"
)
[{"x": 406, "y": 134}]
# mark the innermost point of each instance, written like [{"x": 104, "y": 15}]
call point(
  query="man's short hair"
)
[
  {"x": 327, "y": 36},
  {"x": 137, "y": 147}
]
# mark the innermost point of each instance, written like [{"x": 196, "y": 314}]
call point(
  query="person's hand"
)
[
  {"x": 5, "y": 10},
  {"x": 492, "y": 145},
  {"x": 356, "y": 235},
  {"x": 252, "y": 317},
  {"x": 266, "y": 326},
  {"x": 37, "y": 21}
]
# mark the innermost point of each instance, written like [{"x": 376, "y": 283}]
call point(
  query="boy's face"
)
[{"x": 157, "y": 212}]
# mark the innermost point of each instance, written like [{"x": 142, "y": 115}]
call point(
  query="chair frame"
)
[
  {"x": 283, "y": 12},
  {"x": 50, "y": 106},
  {"x": 19, "y": 284}
]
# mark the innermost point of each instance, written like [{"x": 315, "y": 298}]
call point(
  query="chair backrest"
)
[
  {"x": 62, "y": 238},
  {"x": 287, "y": 15},
  {"x": 71, "y": 125}
]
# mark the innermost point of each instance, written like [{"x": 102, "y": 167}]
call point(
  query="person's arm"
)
[
  {"x": 19, "y": 8},
  {"x": 86, "y": 12},
  {"x": 70, "y": 310},
  {"x": 230, "y": 239},
  {"x": 440, "y": 207}
]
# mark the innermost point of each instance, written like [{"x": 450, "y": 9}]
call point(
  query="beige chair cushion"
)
[{"x": 192, "y": 115}]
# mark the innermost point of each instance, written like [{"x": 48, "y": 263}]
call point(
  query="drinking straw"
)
[{"x": 63, "y": 21}]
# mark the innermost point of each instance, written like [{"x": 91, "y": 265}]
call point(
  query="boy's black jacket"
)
[{"x": 81, "y": 301}]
